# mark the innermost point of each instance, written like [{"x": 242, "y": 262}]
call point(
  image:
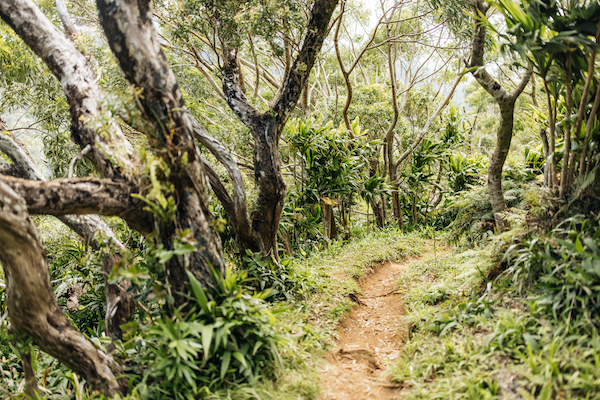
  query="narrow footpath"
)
[{"x": 369, "y": 338}]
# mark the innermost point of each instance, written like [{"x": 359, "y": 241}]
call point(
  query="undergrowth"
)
[
  {"x": 241, "y": 341},
  {"x": 515, "y": 319}
]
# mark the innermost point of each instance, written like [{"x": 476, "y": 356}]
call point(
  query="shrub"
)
[{"x": 227, "y": 340}]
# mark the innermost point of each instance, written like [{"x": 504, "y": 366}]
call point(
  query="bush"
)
[
  {"x": 227, "y": 340},
  {"x": 566, "y": 265}
]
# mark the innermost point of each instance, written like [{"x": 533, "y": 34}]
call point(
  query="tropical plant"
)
[
  {"x": 335, "y": 164},
  {"x": 227, "y": 339}
]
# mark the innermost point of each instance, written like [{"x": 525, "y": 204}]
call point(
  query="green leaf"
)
[
  {"x": 164, "y": 255},
  {"x": 238, "y": 356},
  {"x": 184, "y": 249},
  {"x": 591, "y": 244},
  {"x": 198, "y": 292},
  {"x": 207, "y": 335},
  {"x": 225, "y": 363},
  {"x": 546, "y": 393},
  {"x": 578, "y": 246},
  {"x": 532, "y": 341}
]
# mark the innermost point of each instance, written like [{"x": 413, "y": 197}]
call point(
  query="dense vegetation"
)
[{"x": 208, "y": 180}]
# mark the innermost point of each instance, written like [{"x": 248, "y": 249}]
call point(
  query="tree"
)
[
  {"x": 506, "y": 102},
  {"x": 560, "y": 41},
  {"x": 220, "y": 30},
  {"x": 92, "y": 229}
]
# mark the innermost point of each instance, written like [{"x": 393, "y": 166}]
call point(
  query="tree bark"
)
[
  {"x": 583, "y": 162},
  {"x": 329, "y": 226},
  {"x": 65, "y": 19},
  {"x": 79, "y": 196},
  {"x": 377, "y": 205},
  {"x": 503, "y": 139},
  {"x": 31, "y": 304},
  {"x": 506, "y": 101},
  {"x": 128, "y": 25},
  {"x": 266, "y": 127},
  {"x": 565, "y": 177},
  {"x": 111, "y": 153},
  {"x": 391, "y": 131},
  {"x": 129, "y": 29},
  {"x": 98, "y": 235},
  {"x": 91, "y": 228}
]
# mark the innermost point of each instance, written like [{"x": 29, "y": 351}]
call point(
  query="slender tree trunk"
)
[
  {"x": 506, "y": 101},
  {"x": 550, "y": 159},
  {"x": 543, "y": 134},
  {"x": 392, "y": 166},
  {"x": 546, "y": 150},
  {"x": 31, "y": 386},
  {"x": 377, "y": 207},
  {"x": 503, "y": 139},
  {"x": 583, "y": 107},
  {"x": 329, "y": 225},
  {"x": 345, "y": 73},
  {"x": 584, "y": 164},
  {"x": 564, "y": 177}
]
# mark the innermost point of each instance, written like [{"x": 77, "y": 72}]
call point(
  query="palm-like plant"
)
[{"x": 560, "y": 41}]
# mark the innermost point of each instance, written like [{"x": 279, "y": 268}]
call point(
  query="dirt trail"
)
[{"x": 369, "y": 338}]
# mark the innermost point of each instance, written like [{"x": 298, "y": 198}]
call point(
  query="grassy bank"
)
[{"x": 476, "y": 338}]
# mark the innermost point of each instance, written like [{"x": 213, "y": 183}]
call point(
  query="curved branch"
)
[
  {"x": 221, "y": 193},
  {"x": 111, "y": 153},
  {"x": 299, "y": 73},
  {"x": 238, "y": 212},
  {"x": 91, "y": 228},
  {"x": 77, "y": 196},
  {"x": 232, "y": 87},
  {"x": 22, "y": 164},
  {"x": 31, "y": 303},
  {"x": 477, "y": 50},
  {"x": 65, "y": 19}
]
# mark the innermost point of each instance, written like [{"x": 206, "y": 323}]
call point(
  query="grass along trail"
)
[{"x": 369, "y": 338}]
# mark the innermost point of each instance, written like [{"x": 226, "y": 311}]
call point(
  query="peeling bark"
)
[{"x": 31, "y": 304}]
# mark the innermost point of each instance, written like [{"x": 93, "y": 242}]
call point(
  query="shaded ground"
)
[{"x": 369, "y": 338}]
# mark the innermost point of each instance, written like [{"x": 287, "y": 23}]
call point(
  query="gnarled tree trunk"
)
[
  {"x": 266, "y": 128},
  {"x": 31, "y": 304},
  {"x": 119, "y": 304},
  {"x": 130, "y": 32}
]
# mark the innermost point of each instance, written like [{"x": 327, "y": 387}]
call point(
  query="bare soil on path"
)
[{"x": 369, "y": 338}]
